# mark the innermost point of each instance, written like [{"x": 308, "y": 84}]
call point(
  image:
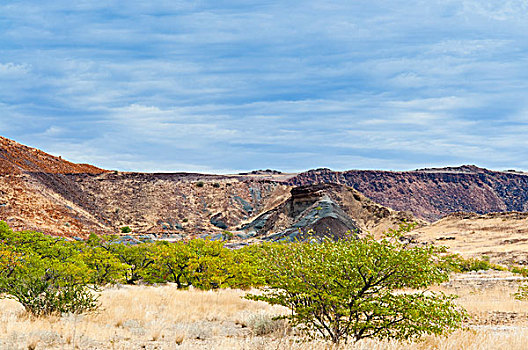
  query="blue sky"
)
[{"x": 226, "y": 86}]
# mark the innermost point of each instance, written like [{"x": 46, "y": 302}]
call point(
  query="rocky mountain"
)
[
  {"x": 432, "y": 193},
  {"x": 46, "y": 193},
  {"x": 328, "y": 210},
  {"x": 42, "y": 192}
]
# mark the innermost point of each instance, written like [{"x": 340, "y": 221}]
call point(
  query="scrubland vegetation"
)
[
  {"x": 164, "y": 317},
  {"x": 355, "y": 293}
]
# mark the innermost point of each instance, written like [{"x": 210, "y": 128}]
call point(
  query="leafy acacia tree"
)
[
  {"x": 201, "y": 263},
  {"x": 360, "y": 288},
  {"x": 43, "y": 273},
  {"x": 47, "y": 286},
  {"x": 136, "y": 258},
  {"x": 104, "y": 267}
]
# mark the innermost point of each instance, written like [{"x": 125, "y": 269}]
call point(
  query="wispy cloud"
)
[{"x": 233, "y": 85}]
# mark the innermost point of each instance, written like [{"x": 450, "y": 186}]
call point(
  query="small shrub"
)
[
  {"x": 520, "y": 270},
  {"x": 460, "y": 264},
  {"x": 200, "y": 184},
  {"x": 216, "y": 185},
  {"x": 262, "y": 324},
  {"x": 227, "y": 235},
  {"x": 126, "y": 229}
]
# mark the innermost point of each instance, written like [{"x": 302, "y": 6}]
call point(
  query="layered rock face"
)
[
  {"x": 327, "y": 210},
  {"x": 432, "y": 193}
]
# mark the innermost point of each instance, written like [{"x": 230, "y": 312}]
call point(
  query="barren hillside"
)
[
  {"x": 16, "y": 158},
  {"x": 432, "y": 193},
  {"x": 46, "y": 193},
  {"x": 503, "y": 237}
]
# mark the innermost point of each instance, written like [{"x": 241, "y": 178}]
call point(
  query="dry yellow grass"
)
[
  {"x": 501, "y": 236},
  {"x": 166, "y": 318}
]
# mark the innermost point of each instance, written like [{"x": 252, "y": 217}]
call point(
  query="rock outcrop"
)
[
  {"x": 432, "y": 193},
  {"x": 329, "y": 210}
]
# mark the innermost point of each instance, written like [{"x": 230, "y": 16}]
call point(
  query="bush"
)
[
  {"x": 460, "y": 264},
  {"x": 126, "y": 229},
  {"x": 263, "y": 324},
  {"x": 227, "y": 235},
  {"x": 520, "y": 270},
  {"x": 353, "y": 289},
  {"x": 43, "y": 273},
  {"x": 45, "y": 286},
  {"x": 200, "y": 184}
]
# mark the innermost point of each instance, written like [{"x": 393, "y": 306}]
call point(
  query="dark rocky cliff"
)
[
  {"x": 329, "y": 210},
  {"x": 432, "y": 193}
]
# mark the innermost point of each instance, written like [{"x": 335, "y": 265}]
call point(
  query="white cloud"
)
[
  {"x": 13, "y": 70},
  {"x": 235, "y": 85}
]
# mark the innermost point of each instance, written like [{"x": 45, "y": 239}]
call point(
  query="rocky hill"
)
[
  {"x": 16, "y": 159},
  {"x": 46, "y": 193},
  {"x": 328, "y": 210},
  {"x": 432, "y": 193},
  {"x": 42, "y": 192}
]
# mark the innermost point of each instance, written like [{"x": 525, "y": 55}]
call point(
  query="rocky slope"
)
[
  {"x": 184, "y": 204},
  {"x": 16, "y": 159},
  {"x": 327, "y": 210},
  {"x": 432, "y": 193},
  {"x": 46, "y": 193}
]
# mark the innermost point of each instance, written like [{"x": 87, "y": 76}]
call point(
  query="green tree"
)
[
  {"x": 104, "y": 267},
  {"x": 170, "y": 264},
  {"x": 45, "y": 274},
  {"x": 45, "y": 287},
  {"x": 137, "y": 258},
  {"x": 360, "y": 288},
  {"x": 203, "y": 264}
]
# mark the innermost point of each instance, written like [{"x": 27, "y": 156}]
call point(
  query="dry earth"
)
[
  {"x": 503, "y": 237},
  {"x": 163, "y": 317}
]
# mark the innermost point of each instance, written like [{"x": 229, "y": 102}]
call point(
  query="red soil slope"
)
[{"x": 16, "y": 158}]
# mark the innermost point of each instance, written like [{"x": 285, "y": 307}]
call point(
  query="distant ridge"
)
[
  {"x": 434, "y": 192},
  {"x": 42, "y": 192},
  {"x": 47, "y": 193},
  {"x": 16, "y": 158}
]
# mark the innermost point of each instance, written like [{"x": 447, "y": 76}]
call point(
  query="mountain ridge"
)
[
  {"x": 432, "y": 193},
  {"x": 42, "y": 192}
]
